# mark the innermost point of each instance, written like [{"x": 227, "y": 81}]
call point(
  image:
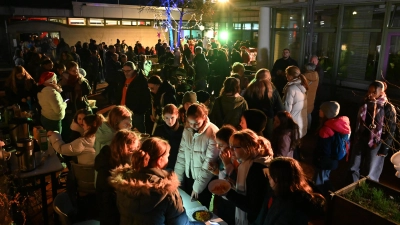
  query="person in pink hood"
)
[{"x": 324, "y": 162}]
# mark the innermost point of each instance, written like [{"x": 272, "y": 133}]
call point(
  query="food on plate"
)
[
  {"x": 221, "y": 188},
  {"x": 202, "y": 215}
]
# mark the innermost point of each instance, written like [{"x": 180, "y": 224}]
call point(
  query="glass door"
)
[{"x": 392, "y": 58}]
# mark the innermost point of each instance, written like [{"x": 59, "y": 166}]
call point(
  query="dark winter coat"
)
[
  {"x": 228, "y": 110},
  {"x": 257, "y": 185},
  {"x": 77, "y": 92},
  {"x": 201, "y": 67},
  {"x": 106, "y": 196},
  {"x": 149, "y": 196},
  {"x": 165, "y": 95},
  {"x": 173, "y": 135},
  {"x": 293, "y": 209},
  {"x": 22, "y": 92},
  {"x": 325, "y": 142},
  {"x": 138, "y": 97},
  {"x": 269, "y": 106}
]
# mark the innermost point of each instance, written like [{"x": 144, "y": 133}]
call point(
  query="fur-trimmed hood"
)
[{"x": 144, "y": 189}]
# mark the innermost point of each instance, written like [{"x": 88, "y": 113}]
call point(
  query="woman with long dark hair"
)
[
  {"x": 286, "y": 136},
  {"x": 376, "y": 124},
  {"x": 21, "y": 88},
  {"x": 295, "y": 97},
  {"x": 229, "y": 106},
  {"x": 292, "y": 200},
  {"x": 262, "y": 94}
]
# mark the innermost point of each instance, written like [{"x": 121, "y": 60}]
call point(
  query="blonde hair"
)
[
  {"x": 260, "y": 85},
  {"x": 254, "y": 145},
  {"x": 294, "y": 72}
]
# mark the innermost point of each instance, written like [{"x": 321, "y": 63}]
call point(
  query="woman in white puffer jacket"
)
[
  {"x": 295, "y": 97},
  {"x": 197, "y": 149},
  {"x": 82, "y": 147}
]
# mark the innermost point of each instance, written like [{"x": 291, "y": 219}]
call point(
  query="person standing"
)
[
  {"x": 326, "y": 144},
  {"x": 136, "y": 95},
  {"x": 278, "y": 70},
  {"x": 295, "y": 97},
  {"x": 313, "y": 82},
  {"x": 376, "y": 124}
]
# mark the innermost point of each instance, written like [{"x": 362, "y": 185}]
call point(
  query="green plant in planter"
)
[{"x": 375, "y": 200}]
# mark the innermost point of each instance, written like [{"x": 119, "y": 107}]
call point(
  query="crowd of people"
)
[{"x": 249, "y": 134}]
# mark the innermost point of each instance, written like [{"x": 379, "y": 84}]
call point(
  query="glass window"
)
[
  {"x": 127, "y": 22},
  {"x": 326, "y": 17},
  {"x": 77, "y": 21},
  {"x": 359, "y": 55},
  {"x": 395, "y": 18},
  {"x": 112, "y": 22},
  {"x": 290, "y": 40},
  {"x": 288, "y": 18},
  {"x": 364, "y": 16},
  {"x": 237, "y": 26},
  {"x": 393, "y": 62},
  {"x": 58, "y": 20},
  {"x": 96, "y": 22},
  {"x": 144, "y": 23},
  {"x": 255, "y": 26},
  {"x": 323, "y": 46},
  {"x": 246, "y": 26},
  {"x": 134, "y": 23},
  {"x": 148, "y": 23}
]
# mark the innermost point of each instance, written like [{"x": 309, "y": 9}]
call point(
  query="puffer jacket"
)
[
  {"x": 51, "y": 102},
  {"x": 313, "y": 81},
  {"x": 104, "y": 136},
  {"x": 196, "y": 150},
  {"x": 82, "y": 148},
  {"x": 148, "y": 196},
  {"x": 295, "y": 102},
  {"x": 228, "y": 110},
  {"x": 326, "y": 139}
]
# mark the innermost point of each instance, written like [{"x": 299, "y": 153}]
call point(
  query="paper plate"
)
[
  {"x": 202, "y": 215},
  {"x": 219, "y": 187}
]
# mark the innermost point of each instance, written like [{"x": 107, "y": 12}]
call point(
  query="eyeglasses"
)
[
  {"x": 126, "y": 71},
  {"x": 234, "y": 147}
]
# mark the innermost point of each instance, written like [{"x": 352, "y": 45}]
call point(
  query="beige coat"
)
[{"x": 313, "y": 80}]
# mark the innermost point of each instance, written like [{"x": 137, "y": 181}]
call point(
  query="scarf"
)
[
  {"x": 377, "y": 112},
  {"x": 243, "y": 170}
]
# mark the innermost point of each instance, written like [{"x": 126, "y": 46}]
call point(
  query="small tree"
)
[{"x": 197, "y": 9}]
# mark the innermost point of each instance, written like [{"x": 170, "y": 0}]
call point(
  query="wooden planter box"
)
[{"x": 342, "y": 211}]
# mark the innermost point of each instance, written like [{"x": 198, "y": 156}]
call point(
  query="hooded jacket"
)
[
  {"x": 174, "y": 136},
  {"x": 326, "y": 140},
  {"x": 51, "y": 102},
  {"x": 148, "y": 196},
  {"x": 294, "y": 209},
  {"x": 104, "y": 136},
  {"x": 313, "y": 81},
  {"x": 82, "y": 148},
  {"x": 196, "y": 150},
  {"x": 228, "y": 110},
  {"x": 257, "y": 185},
  {"x": 295, "y": 102}
]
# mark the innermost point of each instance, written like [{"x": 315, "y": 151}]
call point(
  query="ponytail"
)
[
  {"x": 304, "y": 81},
  {"x": 94, "y": 121},
  {"x": 140, "y": 160}
]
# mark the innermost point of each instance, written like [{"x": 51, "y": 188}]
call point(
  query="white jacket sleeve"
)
[
  {"x": 289, "y": 99},
  {"x": 69, "y": 149},
  {"x": 204, "y": 176},
  {"x": 57, "y": 103},
  {"x": 180, "y": 161}
]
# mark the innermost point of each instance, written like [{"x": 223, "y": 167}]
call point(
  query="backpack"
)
[{"x": 341, "y": 145}]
